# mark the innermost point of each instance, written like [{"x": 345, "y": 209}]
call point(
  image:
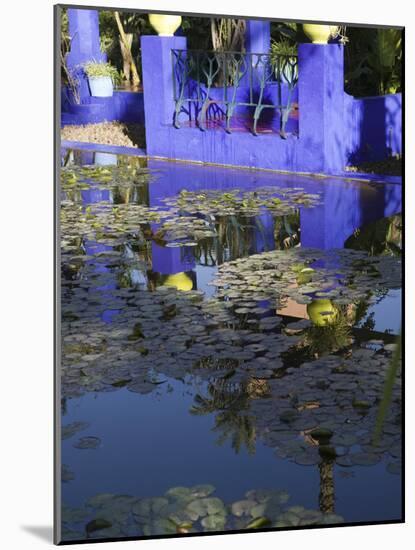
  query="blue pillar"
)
[
  {"x": 85, "y": 45},
  {"x": 159, "y": 107},
  {"x": 321, "y": 106},
  {"x": 257, "y": 36},
  {"x": 257, "y": 40}
]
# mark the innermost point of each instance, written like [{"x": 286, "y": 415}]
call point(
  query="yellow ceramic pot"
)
[
  {"x": 319, "y": 34},
  {"x": 165, "y": 25},
  {"x": 322, "y": 312},
  {"x": 181, "y": 281}
]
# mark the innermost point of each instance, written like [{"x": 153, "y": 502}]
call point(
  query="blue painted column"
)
[
  {"x": 257, "y": 36},
  {"x": 321, "y": 106},
  {"x": 85, "y": 45},
  {"x": 257, "y": 40},
  {"x": 159, "y": 107}
]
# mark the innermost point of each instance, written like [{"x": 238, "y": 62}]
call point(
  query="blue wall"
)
[
  {"x": 333, "y": 130},
  {"x": 318, "y": 147},
  {"x": 373, "y": 127},
  {"x": 123, "y": 106}
]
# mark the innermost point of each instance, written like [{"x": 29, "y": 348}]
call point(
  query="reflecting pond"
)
[{"x": 225, "y": 340}]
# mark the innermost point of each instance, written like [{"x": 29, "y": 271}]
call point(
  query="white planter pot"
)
[
  {"x": 289, "y": 71},
  {"x": 165, "y": 25},
  {"x": 101, "y": 86}
]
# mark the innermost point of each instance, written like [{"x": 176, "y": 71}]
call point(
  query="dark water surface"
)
[{"x": 171, "y": 381}]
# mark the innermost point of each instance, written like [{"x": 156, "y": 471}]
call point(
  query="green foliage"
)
[
  {"x": 283, "y": 47},
  {"x": 385, "y": 60},
  {"x": 197, "y": 32},
  {"x": 373, "y": 61},
  {"x": 134, "y": 23},
  {"x": 330, "y": 337},
  {"x": 391, "y": 166},
  {"x": 383, "y": 237},
  {"x": 391, "y": 377},
  {"x": 281, "y": 31}
]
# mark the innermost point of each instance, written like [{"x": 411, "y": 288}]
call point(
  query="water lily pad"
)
[
  {"x": 394, "y": 468},
  {"x": 203, "y": 490},
  {"x": 88, "y": 442},
  {"x": 242, "y": 507},
  {"x": 97, "y": 525},
  {"x": 179, "y": 492},
  {"x": 364, "y": 459},
  {"x": 66, "y": 474},
  {"x": 258, "y": 523},
  {"x": 214, "y": 522},
  {"x": 71, "y": 429}
]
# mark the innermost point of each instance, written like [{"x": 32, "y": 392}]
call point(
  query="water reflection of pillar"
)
[
  {"x": 168, "y": 183},
  {"x": 327, "y": 225},
  {"x": 169, "y": 261},
  {"x": 83, "y": 158},
  {"x": 93, "y": 248},
  {"x": 327, "y": 494},
  {"x": 345, "y": 207},
  {"x": 263, "y": 234},
  {"x": 93, "y": 196}
]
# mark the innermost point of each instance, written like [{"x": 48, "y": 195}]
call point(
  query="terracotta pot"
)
[{"x": 165, "y": 25}]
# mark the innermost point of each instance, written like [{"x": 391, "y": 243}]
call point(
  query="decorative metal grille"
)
[{"x": 209, "y": 84}]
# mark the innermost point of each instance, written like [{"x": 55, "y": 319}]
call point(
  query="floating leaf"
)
[{"x": 88, "y": 442}]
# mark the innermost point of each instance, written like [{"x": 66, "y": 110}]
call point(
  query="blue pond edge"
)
[
  {"x": 114, "y": 149},
  {"x": 136, "y": 151},
  {"x": 376, "y": 178}
]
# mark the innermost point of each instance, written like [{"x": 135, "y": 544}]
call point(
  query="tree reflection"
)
[{"x": 231, "y": 403}]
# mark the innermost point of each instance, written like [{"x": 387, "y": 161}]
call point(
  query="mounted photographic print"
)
[{"x": 229, "y": 248}]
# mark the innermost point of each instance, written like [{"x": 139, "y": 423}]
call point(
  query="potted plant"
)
[{"x": 101, "y": 78}]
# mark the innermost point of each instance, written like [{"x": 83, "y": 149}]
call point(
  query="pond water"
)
[{"x": 226, "y": 336}]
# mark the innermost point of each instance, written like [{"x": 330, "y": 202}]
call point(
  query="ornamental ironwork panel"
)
[{"x": 211, "y": 84}]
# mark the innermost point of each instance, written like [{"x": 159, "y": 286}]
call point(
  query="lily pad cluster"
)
[
  {"x": 325, "y": 411},
  {"x": 340, "y": 275},
  {"x": 185, "y": 220},
  {"x": 159, "y": 334},
  {"x": 279, "y": 201},
  {"x": 183, "y": 510},
  {"x": 171, "y": 334},
  {"x": 125, "y": 174}
]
